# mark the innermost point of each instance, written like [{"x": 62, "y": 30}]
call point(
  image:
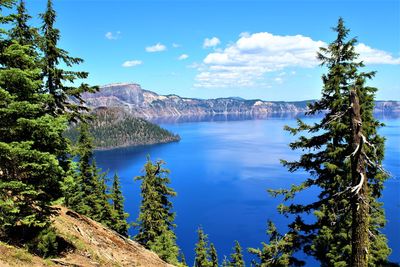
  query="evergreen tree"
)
[
  {"x": 225, "y": 262},
  {"x": 201, "y": 250},
  {"x": 103, "y": 211},
  {"x": 278, "y": 253},
  {"x": 121, "y": 225},
  {"x": 85, "y": 199},
  {"x": 213, "y": 256},
  {"x": 237, "y": 256},
  {"x": 22, "y": 32},
  {"x": 165, "y": 247},
  {"x": 182, "y": 258},
  {"x": 58, "y": 82},
  {"x": 31, "y": 143},
  {"x": 90, "y": 196},
  {"x": 156, "y": 219},
  {"x": 5, "y": 19},
  {"x": 344, "y": 160}
]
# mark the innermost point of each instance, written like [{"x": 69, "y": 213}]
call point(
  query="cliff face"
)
[{"x": 147, "y": 104}]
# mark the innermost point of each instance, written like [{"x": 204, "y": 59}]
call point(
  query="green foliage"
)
[
  {"x": 327, "y": 148},
  {"x": 32, "y": 146},
  {"x": 237, "y": 256},
  {"x": 45, "y": 243},
  {"x": 115, "y": 128},
  {"x": 86, "y": 190},
  {"x": 165, "y": 247},
  {"x": 59, "y": 82},
  {"x": 156, "y": 219},
  {"x": 225, "y": 262},
  {"x": 202, "y": 258},
  {"x": 22, "y": 32},
  {"x": 182, "y": 259},
  {"x": 120, "y": 225},
  {"x": 278, "y": 252},
  {"x": 213, "y": 256}
]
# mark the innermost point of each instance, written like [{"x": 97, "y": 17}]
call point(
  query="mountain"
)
[
  {"x": 147, "y": 104},
  {"x": 86, "y": 243},
  {"x": 114, "y": 127}
]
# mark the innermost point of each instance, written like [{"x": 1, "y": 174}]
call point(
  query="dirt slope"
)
[{"x": 90, "y": 244}]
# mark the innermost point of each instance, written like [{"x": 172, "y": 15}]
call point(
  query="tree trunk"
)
[{"x": 359, "y": 203}]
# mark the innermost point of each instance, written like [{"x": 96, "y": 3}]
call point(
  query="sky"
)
[{"x": 222, "y": 48}]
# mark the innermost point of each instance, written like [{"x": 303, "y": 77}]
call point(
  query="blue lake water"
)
[{"x": 221, "y": 170}]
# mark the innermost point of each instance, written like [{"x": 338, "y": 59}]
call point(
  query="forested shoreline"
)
[{"x": 113, "y": 128}]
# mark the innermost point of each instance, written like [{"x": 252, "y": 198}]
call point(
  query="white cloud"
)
[
  {"x": 156, "y": 48},
  {"x": 112, "y": 36},
  {"x": 375, "y": 56},
  {"x": 175, "y": 45},
  {"x": 245, "y": 62},
  {"x": 131, "y": 63},
  {"x": 183, "y": 57},
  {"x": 211, "y": 42}
]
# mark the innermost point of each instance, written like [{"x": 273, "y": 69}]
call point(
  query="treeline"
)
[
  {"x": 113, "y": 128},
  {"x": 342, "y": 153}
]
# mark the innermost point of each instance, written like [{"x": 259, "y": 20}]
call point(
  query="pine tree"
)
[
  {"x": 66, "y": 97},
  {"x": 22, "y": 32},
  {"x": 156, "y": 219},
  {"x": 278, "y": 252},
  {"x": 121, "y": 225},
  {"x": 335, "y": 159},
  {"x": 31, "y": 143},
  {"x": 165, "y": 247},
  {"x": 86, "y": 197},
  {"x": 201, "y": 250},
  {"x": 182, "y": 258},
  {"x": 213, "y": 256},
  {"x": 237, "y": 256},
  {"x": 103, "y": 211},
  {"x": 89, "y": 195},
  {"x": 225, "y": 262}
]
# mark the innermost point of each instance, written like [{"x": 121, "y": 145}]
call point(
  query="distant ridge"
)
[{"x": 147, "y": 104}]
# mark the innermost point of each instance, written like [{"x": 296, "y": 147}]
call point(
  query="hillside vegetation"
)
[
  {"x": 113, "y": 127},
  {"x": 86, "y": 243}
]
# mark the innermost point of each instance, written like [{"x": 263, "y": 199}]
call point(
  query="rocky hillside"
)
[
  {"x": 88, "y": 244},
  {"x": 147, "y": 104}
]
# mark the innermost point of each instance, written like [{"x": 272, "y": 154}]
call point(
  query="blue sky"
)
[{"x": 221, "y": 48}]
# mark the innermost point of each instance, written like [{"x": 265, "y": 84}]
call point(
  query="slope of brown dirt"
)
[{"x": 88, "y": 244}]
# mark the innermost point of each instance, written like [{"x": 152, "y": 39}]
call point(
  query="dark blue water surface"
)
[{"x": 221, "y": 170}]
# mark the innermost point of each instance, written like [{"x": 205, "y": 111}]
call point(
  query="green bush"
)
[{"x": 45, "y": 244}]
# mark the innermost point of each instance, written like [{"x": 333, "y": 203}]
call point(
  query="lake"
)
[{"x": 221, "y": 170}]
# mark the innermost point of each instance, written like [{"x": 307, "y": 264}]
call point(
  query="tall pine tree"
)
[
  {"x": 89, "y": 195},
  {"x": 156, "y": 218},
  {"x": 59, "y": 83},
  {"x": 213, "y": 256},
  {"x": 348, "y": 183},
  {"x": 237, "y": 256},
  {"x": 202, "y": 257},
  {"x": 31, "y": 142},
  {"x": 121, "y": 225},
  {"x": 22, "y": 32}
]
